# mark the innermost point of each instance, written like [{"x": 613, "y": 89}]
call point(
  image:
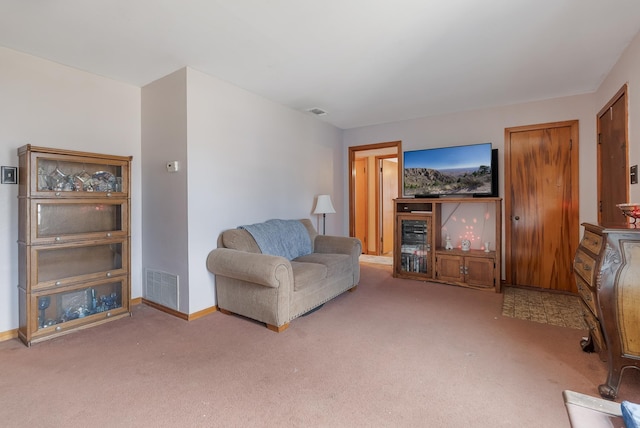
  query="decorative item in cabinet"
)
[{"x": 73, "y": 240}]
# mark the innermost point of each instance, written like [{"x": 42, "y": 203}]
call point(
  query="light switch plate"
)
[
  {"x": 633, "y": 174},
  {"x": 9, "y": 175}
]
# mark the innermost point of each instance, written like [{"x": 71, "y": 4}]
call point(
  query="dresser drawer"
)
[
  {"x": 594, "y": 328},
  {"x": 584, "y": 265},
  {"x": 587, "y": 295},
  {"x": 591, "y": 242}
]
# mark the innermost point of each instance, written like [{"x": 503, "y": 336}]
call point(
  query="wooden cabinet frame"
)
[
  {"x": 73, "y": 241},
  {"x": 475, "y": 268}
]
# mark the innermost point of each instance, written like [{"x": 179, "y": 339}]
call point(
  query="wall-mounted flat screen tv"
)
[{"x": 461, "y": 171}]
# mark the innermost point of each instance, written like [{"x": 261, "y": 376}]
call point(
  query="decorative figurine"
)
[
  {"x": 43, "y": 304},
  {"x": 448, "y": 245}
]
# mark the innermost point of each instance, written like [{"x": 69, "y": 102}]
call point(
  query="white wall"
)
[
  {"x": 164, "y": 195},
  {"x": 245, "y": 159},
  {"x": 488, "y": 125},
  {"x": 45, "y": 104},
  {"x": 627, "y": 70}
]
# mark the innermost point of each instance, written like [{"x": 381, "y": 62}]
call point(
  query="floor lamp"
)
[{"x": 324, "y": 207}]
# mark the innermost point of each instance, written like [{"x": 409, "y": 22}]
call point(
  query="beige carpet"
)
[
  {"x": 544, "y": 307},
  {"x": 394, "y": 353}
]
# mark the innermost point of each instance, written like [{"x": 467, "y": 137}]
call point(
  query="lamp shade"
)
[{"x": 324, "y": 205}]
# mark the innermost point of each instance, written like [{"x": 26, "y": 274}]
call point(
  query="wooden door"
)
[
  {"x": 541, "y": 202},
  {"x": 613, "y": 162},
  {"x": 361, "y": 190},
  {"x": 388, "y": 192}
]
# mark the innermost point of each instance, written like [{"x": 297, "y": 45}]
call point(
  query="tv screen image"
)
[{"x": 448, "y": 171}]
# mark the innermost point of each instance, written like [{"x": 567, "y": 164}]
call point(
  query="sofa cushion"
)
[
  {"x": 336, "y": 264},
  {"x": 239, "y": 239},
  {"x": 306, "y": 275}
]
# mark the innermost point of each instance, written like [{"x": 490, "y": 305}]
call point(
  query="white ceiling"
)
[{"x": 363, "y": 61}]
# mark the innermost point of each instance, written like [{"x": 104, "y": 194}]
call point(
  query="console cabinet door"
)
[
  {"x": 479, "y": 271},
  {"x": 449, "y": 268},
  {"x": 414, "y": 238},
  {"x": 466, "y": 270}
]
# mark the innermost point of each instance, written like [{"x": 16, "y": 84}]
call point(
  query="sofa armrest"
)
[
  {"x": 256, "y": 268},
  {"x": 337, "y": 245}
]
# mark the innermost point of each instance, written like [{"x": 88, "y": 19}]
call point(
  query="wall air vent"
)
[
  {"x": 317, "y": 111},
  {"x": 161, "y": 288}
]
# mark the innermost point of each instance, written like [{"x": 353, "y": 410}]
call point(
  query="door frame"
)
[
  {"x": 574, "y": 235},
  {"x": 352, "y": 156}
]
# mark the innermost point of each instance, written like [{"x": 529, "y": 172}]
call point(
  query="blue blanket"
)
[
  {"x": 630, "y": 414},
  {"x": 286, "y": 238}
]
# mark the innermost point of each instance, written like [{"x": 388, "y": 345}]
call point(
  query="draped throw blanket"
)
[{"x": 286, "y": 238}]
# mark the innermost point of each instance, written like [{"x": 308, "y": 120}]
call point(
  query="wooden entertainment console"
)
[{"x": 421, "y": 228}]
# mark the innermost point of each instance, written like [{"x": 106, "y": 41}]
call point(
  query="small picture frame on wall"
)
[{"x": 9, "y": 175}]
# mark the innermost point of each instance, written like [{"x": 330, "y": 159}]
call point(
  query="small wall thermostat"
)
[{"x": 172, "y": 166}]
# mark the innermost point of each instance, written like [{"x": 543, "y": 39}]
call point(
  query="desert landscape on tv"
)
[{"x": 458, "y": 181}]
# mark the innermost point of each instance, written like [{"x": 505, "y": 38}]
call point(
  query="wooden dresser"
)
[{"x": 607, "y": 273}]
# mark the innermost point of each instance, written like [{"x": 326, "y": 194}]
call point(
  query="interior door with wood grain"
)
[
  {"x": 541, "y": 203},
  {"x": 613, "y": 162},
  {"x": 388, "y": 192}
]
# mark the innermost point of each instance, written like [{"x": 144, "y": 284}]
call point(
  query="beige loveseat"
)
[{"x": 275, "y": 289}]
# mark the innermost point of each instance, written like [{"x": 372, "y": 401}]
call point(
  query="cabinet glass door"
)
[
  {"x": 65, "y": 220},
  {"x": 59, "y": 265},
  {"x": 66, "y": 174},
  {"x": 55, "y": 309},
  {"x": 415, "y": 245}
]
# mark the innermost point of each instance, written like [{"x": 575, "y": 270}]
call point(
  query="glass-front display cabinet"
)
[{"x": 73, "y": 240}]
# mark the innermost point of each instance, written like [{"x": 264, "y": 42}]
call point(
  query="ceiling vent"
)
[{"x": 317, "y": 111}]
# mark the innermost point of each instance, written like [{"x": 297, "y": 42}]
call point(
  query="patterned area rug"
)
[{"x": 544, "y": 307}]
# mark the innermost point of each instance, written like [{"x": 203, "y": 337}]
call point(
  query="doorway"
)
[
  {"x": 613, "y": 158},
  {"x": 373, "y": 184},
  {"x": 541, "y": 205}
]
